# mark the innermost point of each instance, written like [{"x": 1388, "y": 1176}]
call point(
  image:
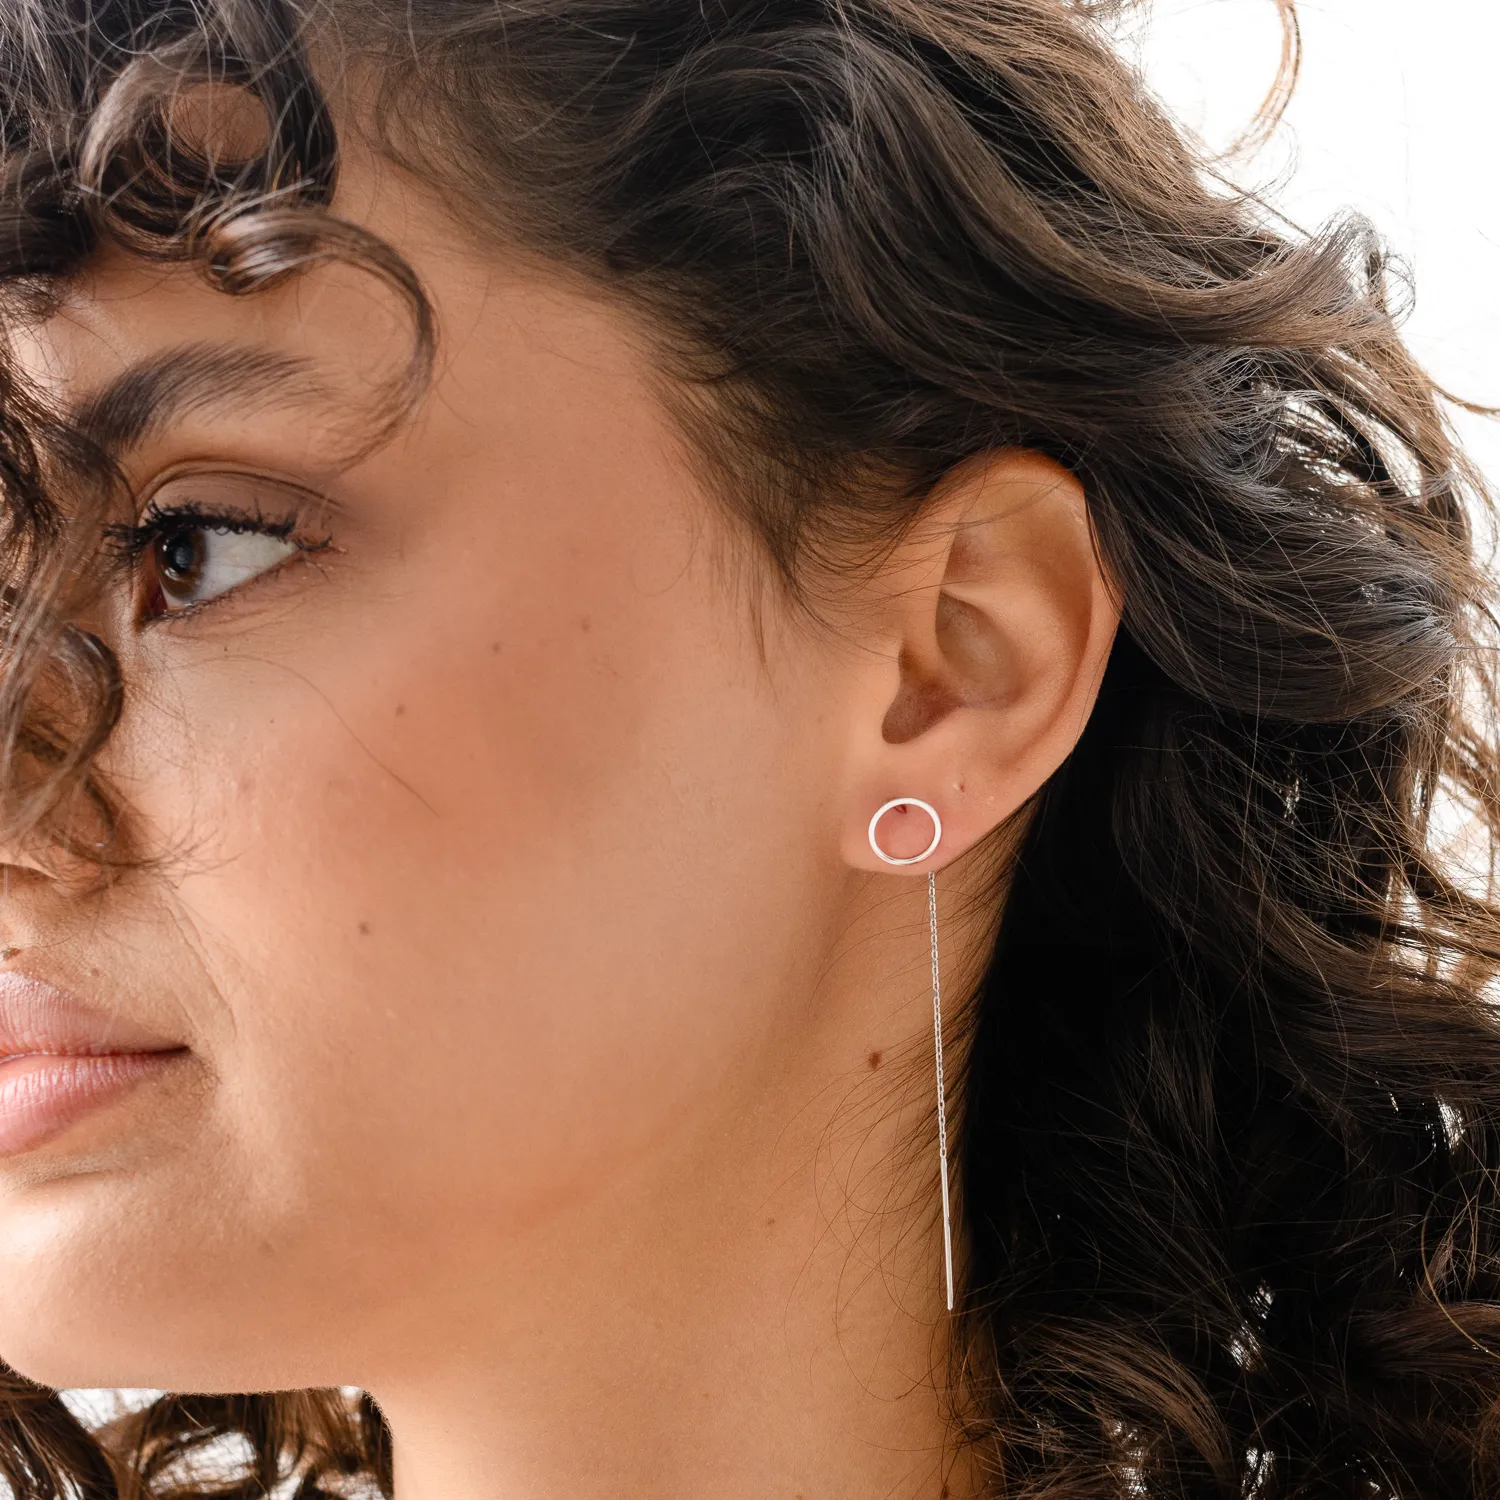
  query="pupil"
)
[{"x": 180, "y": 555}]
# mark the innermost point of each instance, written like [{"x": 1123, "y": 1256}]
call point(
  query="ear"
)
[{"x": 995, "y": 621}]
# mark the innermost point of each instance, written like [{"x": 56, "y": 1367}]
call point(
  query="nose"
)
[
  {"x": 21, "y": 863},
  {"x": 34, "y": 903},
  {"x": 34, "y": 879},
  {"x": 70, "y": 846},
  {"x": 19, "y": 882},
  {"x": 22, "y": 856}
]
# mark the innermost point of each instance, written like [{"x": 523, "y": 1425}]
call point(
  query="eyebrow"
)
[{"x": 192, "y": 379}]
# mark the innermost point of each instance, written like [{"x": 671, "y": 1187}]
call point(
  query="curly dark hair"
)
[{"x": 1231, "y": 1109}]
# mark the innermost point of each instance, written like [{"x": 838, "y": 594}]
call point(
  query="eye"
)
[
  {"x": 204, "y": 535},
  {"x": 192, "y": 564}
]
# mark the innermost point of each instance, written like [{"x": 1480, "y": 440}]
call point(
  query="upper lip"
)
[{"x": 38, "y": 1019}]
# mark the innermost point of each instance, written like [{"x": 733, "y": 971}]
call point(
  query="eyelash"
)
[{"x": 130, "y": 542}]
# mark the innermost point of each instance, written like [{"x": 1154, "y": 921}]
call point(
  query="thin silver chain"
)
[{"x": 942, "y": 1092}]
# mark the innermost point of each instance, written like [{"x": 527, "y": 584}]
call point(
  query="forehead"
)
[
  {"x": 347, "y": 330},
  {"x": 129, "y": 338},
  {"x": 317, "y": 355}
]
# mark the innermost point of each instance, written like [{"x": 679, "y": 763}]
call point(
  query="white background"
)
[{"x": 1397, "y": 114}]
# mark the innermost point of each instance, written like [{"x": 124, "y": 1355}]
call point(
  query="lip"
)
[{"x": 62, "y": 1059}]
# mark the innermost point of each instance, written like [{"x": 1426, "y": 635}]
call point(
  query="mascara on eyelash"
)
[{"x": 132, "y": 539}]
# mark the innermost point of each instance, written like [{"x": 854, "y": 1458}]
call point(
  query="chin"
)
[
  {"x": 129, "y": 1354},
  {"x": 107, "y": 1336},
  {"x": 90, "y": 1306}
]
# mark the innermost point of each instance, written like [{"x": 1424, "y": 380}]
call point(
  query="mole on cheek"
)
[{"x": 875, "y": 1060}]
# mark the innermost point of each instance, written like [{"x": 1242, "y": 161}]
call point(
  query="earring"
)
[{"x": 937, "y": 1001}]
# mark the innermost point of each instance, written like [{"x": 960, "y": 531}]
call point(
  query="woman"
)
[{"x": 564, "y": 556}]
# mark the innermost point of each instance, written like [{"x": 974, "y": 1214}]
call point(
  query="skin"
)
[{"x": 558, "y": 1052}]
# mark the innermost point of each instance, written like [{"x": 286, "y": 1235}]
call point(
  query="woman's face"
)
[
  {"x": 489, "y": 828},
  {"x": 500, "y": 917}
]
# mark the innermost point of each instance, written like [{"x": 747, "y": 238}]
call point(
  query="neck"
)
[
  {"x": 793, "y": 1371},
  {"x": 757, "y": 1310}
]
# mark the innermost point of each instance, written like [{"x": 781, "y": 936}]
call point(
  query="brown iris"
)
[{"x": 179, "y": 563}]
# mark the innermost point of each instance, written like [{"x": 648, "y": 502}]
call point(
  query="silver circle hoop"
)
[{"x": 928, "y": 808}]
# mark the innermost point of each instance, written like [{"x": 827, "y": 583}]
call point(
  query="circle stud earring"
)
[
  {"x": 895, "y": 802},
  {"x": 937, "y": 1002}
]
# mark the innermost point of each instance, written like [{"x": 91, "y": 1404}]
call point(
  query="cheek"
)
[{"x": 490, "y": 896}]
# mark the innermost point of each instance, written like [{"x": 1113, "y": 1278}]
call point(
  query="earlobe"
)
[{"x": 998, "y": 620}]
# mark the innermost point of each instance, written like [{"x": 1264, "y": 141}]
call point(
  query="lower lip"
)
[{"x": 42, "y": 1094}]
